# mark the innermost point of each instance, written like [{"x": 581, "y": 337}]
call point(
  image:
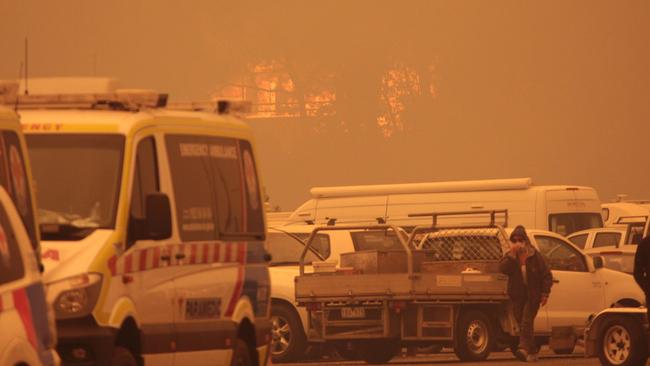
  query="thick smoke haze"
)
[{"x": 558, "y": 91}]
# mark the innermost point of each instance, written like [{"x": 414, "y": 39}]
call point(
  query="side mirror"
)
[
  {"x": 158, "y": 216},
  {"x": 599, "y": 262}
]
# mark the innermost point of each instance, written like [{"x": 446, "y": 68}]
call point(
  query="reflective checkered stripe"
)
[{"x": 194, "y": 253}]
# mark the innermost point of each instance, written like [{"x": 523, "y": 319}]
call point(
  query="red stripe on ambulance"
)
[{"x": 21, "y": 303}]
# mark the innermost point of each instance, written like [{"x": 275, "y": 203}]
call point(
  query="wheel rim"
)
[
  {"x": 617, "y": 345},
  {"x": 281, "y": 335},
  {"x": 477, "y": 336}
]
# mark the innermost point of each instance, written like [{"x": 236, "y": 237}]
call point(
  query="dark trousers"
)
[{"x": 525, "y": 312}]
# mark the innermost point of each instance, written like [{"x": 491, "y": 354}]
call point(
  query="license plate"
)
[{"x": 353, "y": 313}]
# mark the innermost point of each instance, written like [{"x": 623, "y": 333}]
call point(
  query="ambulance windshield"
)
[{"x": 77, "y": 180}]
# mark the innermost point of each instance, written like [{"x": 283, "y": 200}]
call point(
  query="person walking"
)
[
  {"x": 529, "y": 286},
  {"x": 642, "y": 268}
]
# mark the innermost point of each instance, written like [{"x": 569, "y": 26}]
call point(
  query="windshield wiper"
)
[{"x": 53, "y": 231}]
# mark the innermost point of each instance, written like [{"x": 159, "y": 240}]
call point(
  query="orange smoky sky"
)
[{"x": 381, "y": 91}]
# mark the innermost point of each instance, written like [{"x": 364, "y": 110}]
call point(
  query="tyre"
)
[
  {"x": 288, "y": 342},
  {"x": 122, "y": 357},
  {"x": 241, "y": 354},
  {"x": 474, "y": 338},
  {"x": 378, "y": 351},
  {"x": 622, "y": 342}
]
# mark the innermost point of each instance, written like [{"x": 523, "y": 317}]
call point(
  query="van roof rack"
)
[
  {"x": 492, "y": 214},
  {"x": 129, "y": 100}
]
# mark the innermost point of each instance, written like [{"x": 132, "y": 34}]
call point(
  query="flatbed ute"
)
[{"x": 438, "y": 284}]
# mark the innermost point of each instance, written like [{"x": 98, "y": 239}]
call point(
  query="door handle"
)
[
  {"x": 165, "y": 257},
  {"x": 556, "y": 281},
  {"x": 179, "y": 256}
]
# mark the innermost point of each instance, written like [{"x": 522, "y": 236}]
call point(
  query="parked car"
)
[
  {"x": 619, "y": 337},
  {"x": 617, "y": 245}
]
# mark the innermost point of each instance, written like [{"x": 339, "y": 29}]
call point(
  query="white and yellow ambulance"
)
[
  {"x": 153, "y": 229},
  {"x": 27, "y": 328}
]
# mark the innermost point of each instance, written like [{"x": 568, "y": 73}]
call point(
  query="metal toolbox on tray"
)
[{"x": 380, "y": 261}]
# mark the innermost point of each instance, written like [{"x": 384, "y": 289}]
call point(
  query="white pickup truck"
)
[
  {"x": 616, "y": 243},
  {"x": 286, "y": 244},
  {"x": 380, "y": 299}
]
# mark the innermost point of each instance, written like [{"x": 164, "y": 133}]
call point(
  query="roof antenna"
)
[
  {"x": 20, "y": 75},
  {"x": 26, "y": 66}
]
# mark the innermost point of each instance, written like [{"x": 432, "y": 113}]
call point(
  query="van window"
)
[
  {"x": 13, "y": 176},
  {"x": 607, "y": 240},
  {"x": 216, "y": 187},
  {"x": 559, "y": 255},
  {"x": 568, "y": 223},
  {"x": 11, "y": 261},
  {"x": 579, "y": 240},
  {"x": 145, "y": 181},
  {"x": 77, "y": 179}
]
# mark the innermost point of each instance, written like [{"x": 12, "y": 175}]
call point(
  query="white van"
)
[
  {"x": 559, "y": 208},
  {"x": 153, "y": 231}
]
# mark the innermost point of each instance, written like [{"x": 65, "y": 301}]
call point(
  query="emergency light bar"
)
[{"x": 120, "y": 100}]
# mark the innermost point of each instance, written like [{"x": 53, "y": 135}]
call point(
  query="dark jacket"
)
[
  {"x": 642, "y": 264},
  {"x": 539, "y": 277}
]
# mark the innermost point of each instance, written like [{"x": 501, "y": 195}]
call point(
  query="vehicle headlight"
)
[{"x": 75, "y": 296}]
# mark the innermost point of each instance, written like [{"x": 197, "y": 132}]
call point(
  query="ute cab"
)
[
  {"x": 28, "y": 333},
  {"x": 153, "y": 231}
]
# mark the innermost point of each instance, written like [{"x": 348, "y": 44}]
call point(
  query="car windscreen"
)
[
  {"x": 568, "y": 223},
  {"x": 77, "y": 181}
]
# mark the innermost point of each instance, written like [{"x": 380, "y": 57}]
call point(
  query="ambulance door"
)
[
  {"x": 148, "y": 266},
  {"x": 208, "y": 267}
]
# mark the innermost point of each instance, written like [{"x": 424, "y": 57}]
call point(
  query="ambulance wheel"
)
[
  {"x": 474, "y": 337},
  {"x": 378, "y": 351},
  {"x": 122, "y": 357},
  {"x": 241, "y": 354},
  {"x": 621, "y": 342},
  {"x": 288, "y": 340}
]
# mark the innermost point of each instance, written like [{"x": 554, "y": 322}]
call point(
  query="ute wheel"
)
[
  {"x": 474, "y": 338},
  {"x": 378, "y": 351},
  {"x": 288, "y": 342},
  {"x": 621, "y": 342},
  {"x": 122, "y": 357},
  {"x": 241, "y": 354}
]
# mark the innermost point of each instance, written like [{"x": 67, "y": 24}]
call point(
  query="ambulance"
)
[
  {"x": 153, "y": 230},
  {"x": 27, "y": 328}
]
